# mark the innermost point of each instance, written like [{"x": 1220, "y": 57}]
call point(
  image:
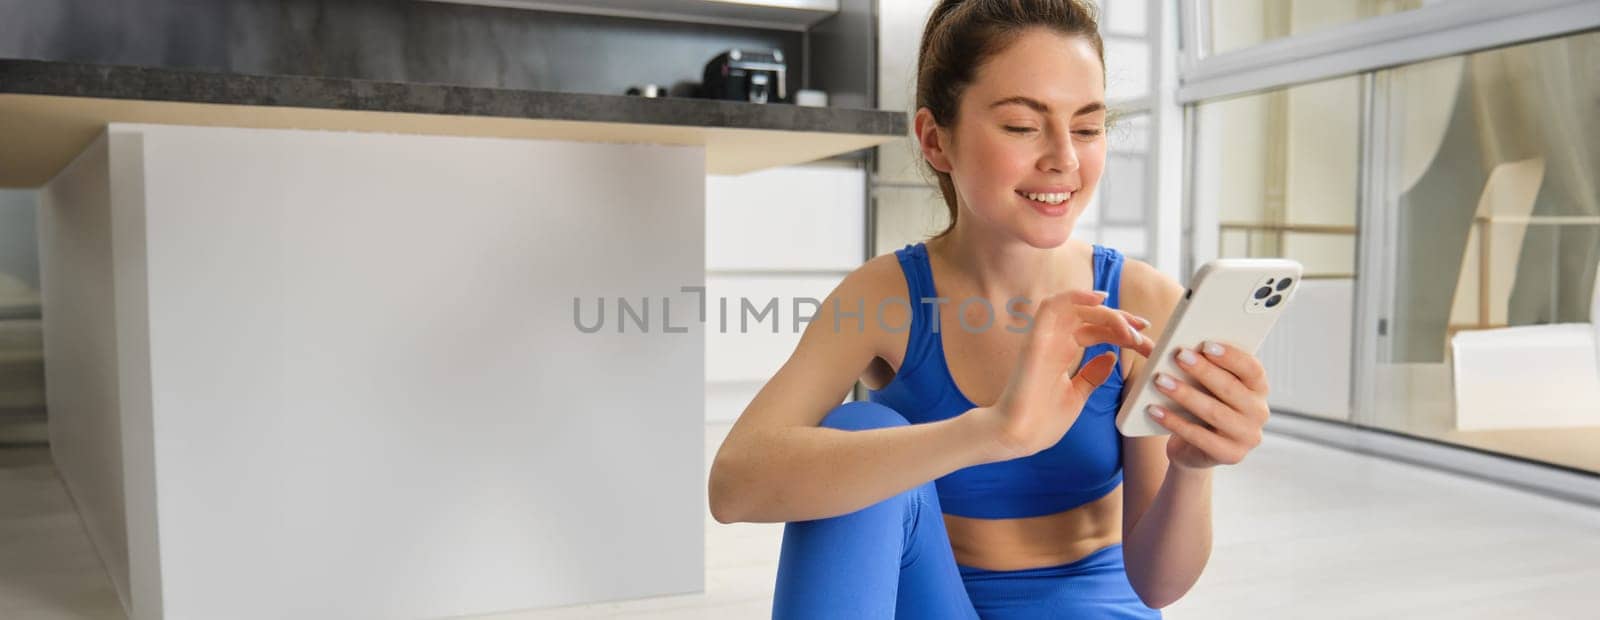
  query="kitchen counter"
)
[{"x": 51, "y": 110}]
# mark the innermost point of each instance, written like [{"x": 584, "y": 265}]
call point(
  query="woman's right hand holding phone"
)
[{"x": 1044, "y": 395}]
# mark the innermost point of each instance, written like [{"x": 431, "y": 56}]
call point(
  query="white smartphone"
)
[{"x": 1234, "y": 301}]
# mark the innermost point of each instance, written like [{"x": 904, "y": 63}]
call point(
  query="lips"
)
[
  {"x": 1051, "y": 203},
  {"x": 1053, "y": 197},
  {"x": 1046, "y": 208}
]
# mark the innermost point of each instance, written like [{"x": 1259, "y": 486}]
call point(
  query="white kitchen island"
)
[{"x": 327, "y": 361}]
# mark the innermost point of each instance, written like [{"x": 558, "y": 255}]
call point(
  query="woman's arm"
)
[
  {"x": 800, "y": 473},
  {"x": 1166, "y": 522},
  {"x": 777, "y": 464},
  {"x": 1167, "y": 499}
]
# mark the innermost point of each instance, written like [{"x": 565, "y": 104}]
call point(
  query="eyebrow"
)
[{"x": 1045, "y": 109}]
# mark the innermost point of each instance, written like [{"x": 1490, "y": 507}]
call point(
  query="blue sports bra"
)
[{"x": 1084, "y": 466}]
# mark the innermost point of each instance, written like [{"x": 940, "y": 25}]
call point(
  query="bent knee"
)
[{"x": 862, "y": 415}]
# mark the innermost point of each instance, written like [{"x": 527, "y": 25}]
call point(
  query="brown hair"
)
[{"x": 962, "y": 34}]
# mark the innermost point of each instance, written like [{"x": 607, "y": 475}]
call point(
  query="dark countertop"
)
[{"x": 68, "y": 79}]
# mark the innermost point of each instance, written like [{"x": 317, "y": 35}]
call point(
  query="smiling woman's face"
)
[{"x": 1029, "y": 139}]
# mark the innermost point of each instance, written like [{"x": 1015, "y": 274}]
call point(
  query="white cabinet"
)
[
  {"x": 356, "y": 359},
  {"x": 795, "y": 218},
  {"x": 774, "y": 239}
]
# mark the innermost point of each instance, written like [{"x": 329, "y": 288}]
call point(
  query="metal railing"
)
[{"x": 1283, "y": 229}]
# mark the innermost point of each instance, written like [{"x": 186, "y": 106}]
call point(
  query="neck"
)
[{"x": 999, "y": 267}]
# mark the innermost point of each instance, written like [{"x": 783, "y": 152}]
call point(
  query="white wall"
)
[{"x": 367, "y": 396}]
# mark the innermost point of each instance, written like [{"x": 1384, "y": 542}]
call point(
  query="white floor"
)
[{"x": 1302, "y": 531}]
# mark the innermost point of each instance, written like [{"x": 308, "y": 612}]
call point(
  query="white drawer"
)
[
  {"x": 755, "y": 354},
  {"x": 793, "y": 218},
  {"x": 908, "y": 215}
]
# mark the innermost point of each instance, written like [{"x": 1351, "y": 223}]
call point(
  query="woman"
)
[{"x": 984, "y": 476}]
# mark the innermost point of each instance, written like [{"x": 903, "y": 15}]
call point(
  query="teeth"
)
[{"x": 1053, "y": 199}]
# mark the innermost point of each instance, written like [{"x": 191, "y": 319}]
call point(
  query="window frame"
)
[{"x": 1449, "y": 28}]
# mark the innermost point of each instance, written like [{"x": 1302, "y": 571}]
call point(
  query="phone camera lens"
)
[
  {"x": 1284, "y": 283},
  {"x": 1274, "y": 300},
  {"x": 1263, "y": 292}
]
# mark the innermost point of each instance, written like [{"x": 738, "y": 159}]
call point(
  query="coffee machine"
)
[{"x": 756, "y": 76}]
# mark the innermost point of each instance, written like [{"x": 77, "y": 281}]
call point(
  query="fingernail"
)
[
  {"x": 1154, "y": 412},
  {"x": 1213, "y": 348},
  {"x": 1187, "y": 357},
  {"x": 1166, "y": 383},
  {"x": 1134, "y": 334},
  {"x": 1143, "y": 322}
]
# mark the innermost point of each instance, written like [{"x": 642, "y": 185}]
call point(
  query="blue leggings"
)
[{"x": 893, "y": 559}]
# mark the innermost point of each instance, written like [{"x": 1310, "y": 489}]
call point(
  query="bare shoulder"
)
[
  {"x": 877, "y": 287},
  {"x": 882, "y": 274}
]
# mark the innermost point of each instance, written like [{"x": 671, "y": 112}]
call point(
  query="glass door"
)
[{"x": 1484, "y": 238}]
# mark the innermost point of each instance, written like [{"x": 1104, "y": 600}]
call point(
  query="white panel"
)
[
  {"x": 80, "y": 336},
  {"x": 1166, "y": 181},
  {"x": 1527, "y": 376},
  {"x": 1127, "y": 69},
  {"x": 908, "y": 215},
  {"x": 752, "y": 351},
  {"x": 1307, "y": 355},
  {"x": 1086, "y": 234},
  {"x": 133, "y": 373},
  {"x": 900, "y": 24},
  {"x": 370, "y": 397},
  {"x": 1124, "y": 17},
  {"x": 900, "y": 162},
  {"x": 1130, "y": 240},
  {"x": 798, "y": 217},
  {"x": 1090, "y": 218},
  {"x": 726, "y": 400}
]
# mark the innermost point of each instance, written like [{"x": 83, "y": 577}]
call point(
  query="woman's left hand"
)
[{"x": 1233, "y": 405}]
